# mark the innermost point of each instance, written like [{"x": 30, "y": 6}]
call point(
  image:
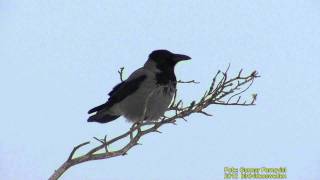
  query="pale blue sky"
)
[{"x": 59, "y": 58}]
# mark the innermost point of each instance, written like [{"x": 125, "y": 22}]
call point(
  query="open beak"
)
[{"x": 181, "y": 57}]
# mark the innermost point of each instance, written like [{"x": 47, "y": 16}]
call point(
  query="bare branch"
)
[{"x": 222, "y": 91}]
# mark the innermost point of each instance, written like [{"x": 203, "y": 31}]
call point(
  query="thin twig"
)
[
  {"x": 76, "y": 148},
  {"x": 191, "y": 81},
  {"x": 120, "y": 72}
]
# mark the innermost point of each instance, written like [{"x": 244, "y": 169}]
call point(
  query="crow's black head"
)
[{"x": 165, "y": 59}]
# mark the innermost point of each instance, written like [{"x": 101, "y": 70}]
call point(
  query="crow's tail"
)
[
  {"x": 102, "y": 114},
  {"x": 102, "y": 118}
]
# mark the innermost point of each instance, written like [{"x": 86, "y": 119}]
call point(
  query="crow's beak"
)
[{"x": 181, "y": 57}]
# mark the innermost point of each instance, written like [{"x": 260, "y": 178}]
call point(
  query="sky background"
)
[{"x": 59, "y": 58}]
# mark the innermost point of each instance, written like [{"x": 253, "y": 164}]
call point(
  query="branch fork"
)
[{"x": 222, "y": 91}]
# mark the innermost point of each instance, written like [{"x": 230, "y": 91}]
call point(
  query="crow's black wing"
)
[
  {"x": 116, "y": 88},
  {"x": 124, "y": 89},
  {"x": 121, "y": 91}
]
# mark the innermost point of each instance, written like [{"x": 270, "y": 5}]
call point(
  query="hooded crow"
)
[{"x": 146, "y": 94}]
